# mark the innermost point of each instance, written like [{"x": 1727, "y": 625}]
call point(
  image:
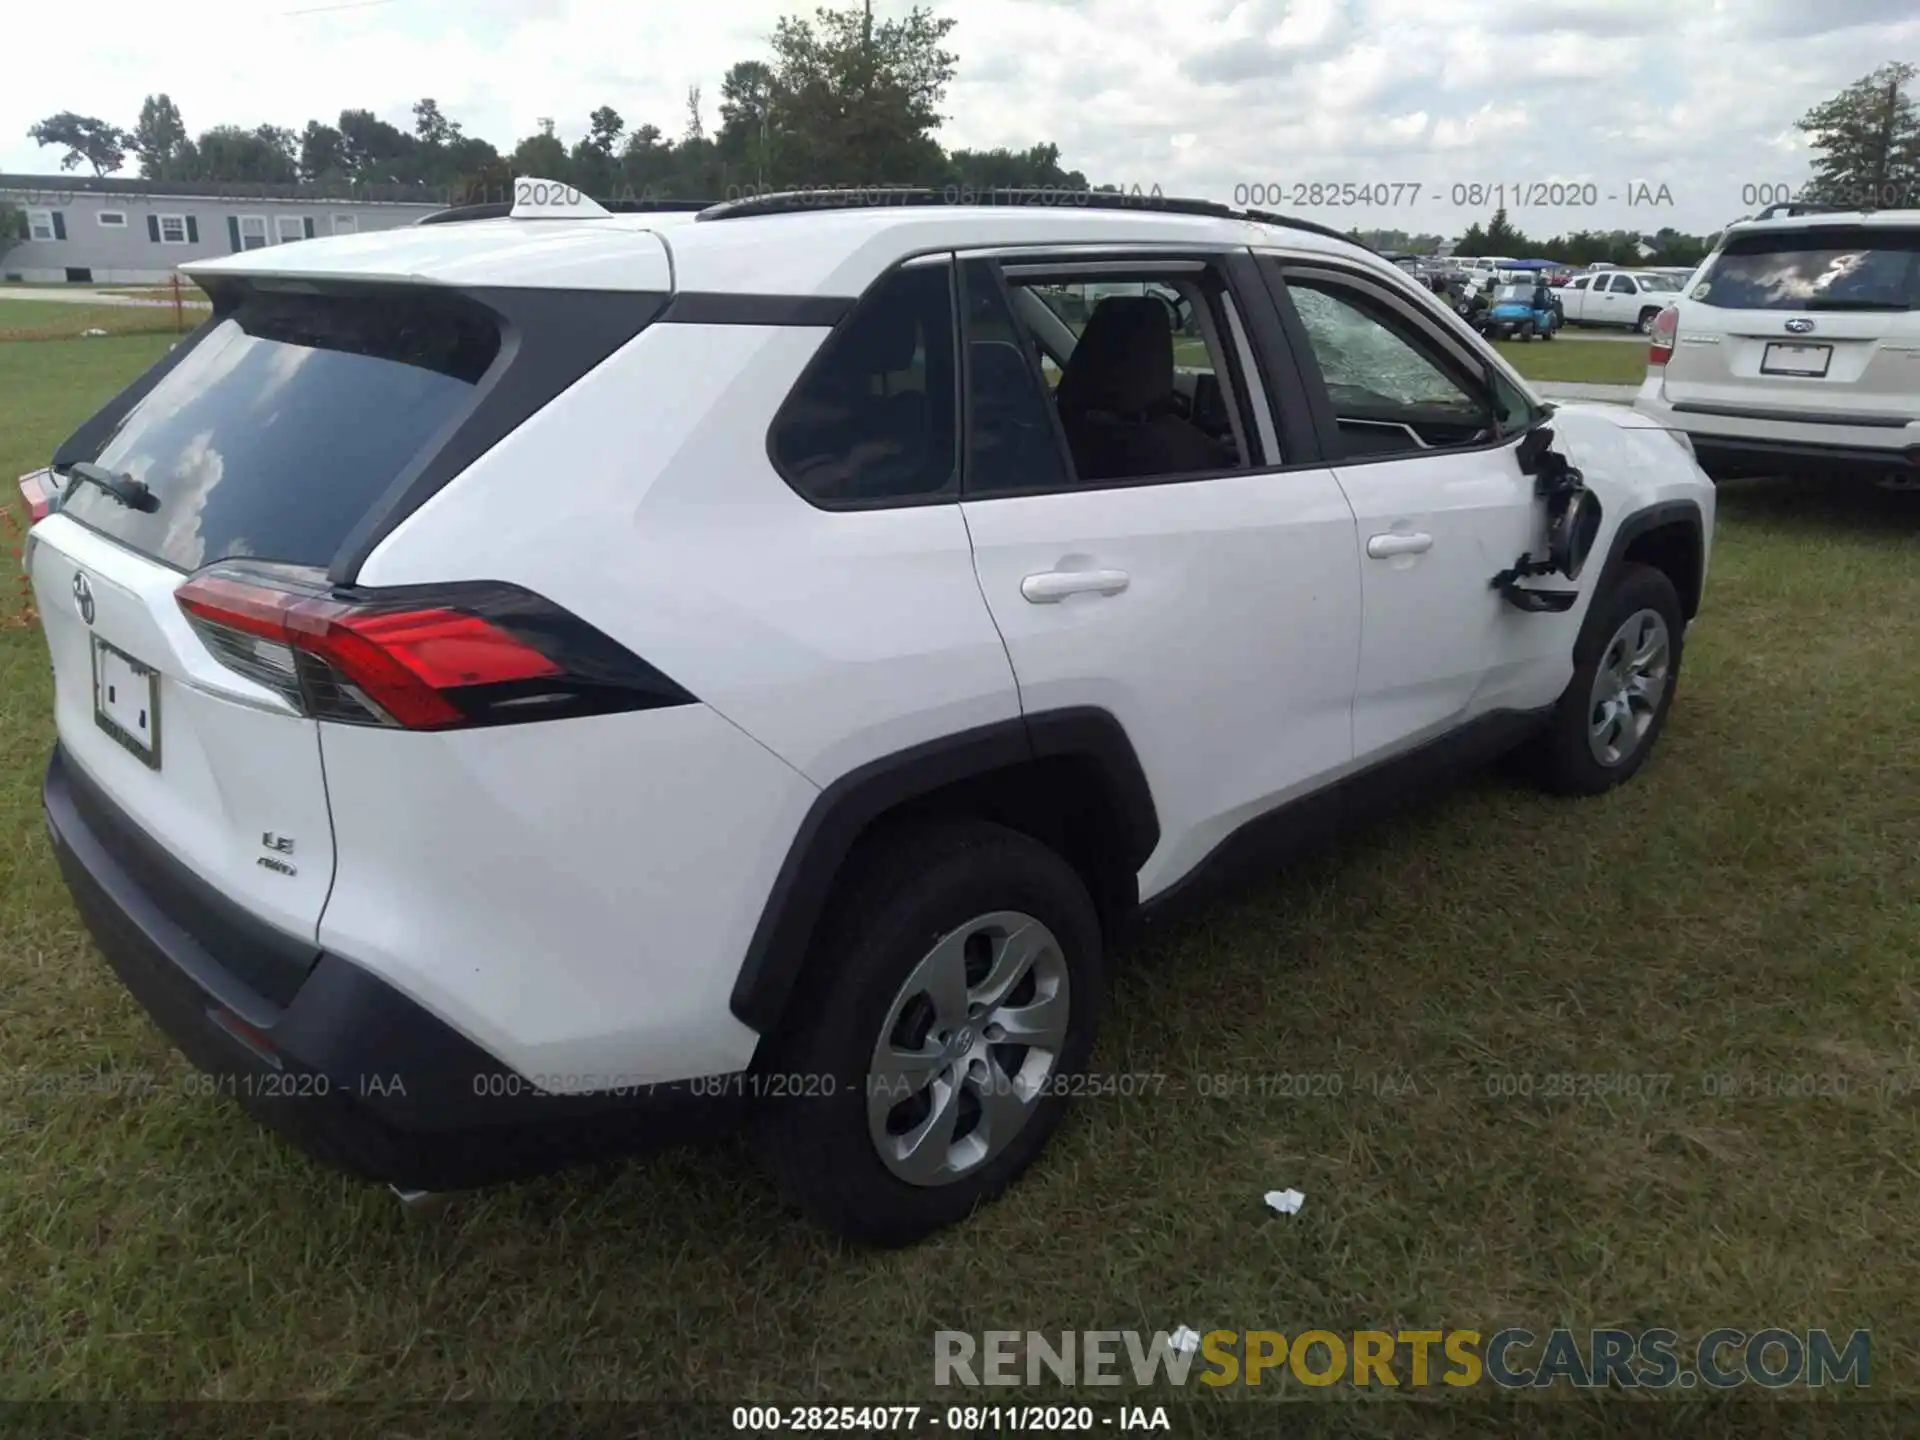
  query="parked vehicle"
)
[
  {"x": 1797, "y": 348},
  {"x": 1481, "y": 270},
  {"x": 528, "y": 686},
  {"x": 1518, "y": 311},
  {"x": 1629, "y": 298}
]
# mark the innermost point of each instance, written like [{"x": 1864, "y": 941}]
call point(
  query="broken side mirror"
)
[
  {"x": 1535, "y": 444},
  {"x": 1573, "y": 523}
]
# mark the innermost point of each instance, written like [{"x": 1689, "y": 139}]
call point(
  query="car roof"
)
[
  {"x": 1827, "y": 220},
  {"x": 827, "y": 251}
]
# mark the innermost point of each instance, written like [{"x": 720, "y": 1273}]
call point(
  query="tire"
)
[
  {"x": 1644, "y": 325},
  {"x": 1548, "y": 334},
  {"x": 908, "y": 900},
  {"x": 1566, "y": 758}
]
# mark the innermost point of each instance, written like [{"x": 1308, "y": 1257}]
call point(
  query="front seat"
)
[{"x": 1116, "y": 398}]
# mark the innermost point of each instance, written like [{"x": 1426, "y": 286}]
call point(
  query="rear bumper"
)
[
  {"x": 351, "y": 1070},
  {"x": 1733, "y": 443},
  {"x": 1724, "y": 456}
]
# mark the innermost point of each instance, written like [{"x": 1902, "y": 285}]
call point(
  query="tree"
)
[
  {"x": 88, "y": 141},
  {"x": 370, "y": 148},
  {"x": 746, "y": 117},
  {"x": 857, "y": 102},
  {"x": 1503, "y": 239},
  {"x": 13, "y": 227},
  {"x": 323, "y": 153},
  {"x": 1037, "y": 168},
  {"x": 259, "y": 156},
  {"x": 696, "y": 128},
  {"x": 542, "y": 155},
  {"x": 604, "y": 129},
  {"x": 159, "y": 138},
  {"x": 1866, "y": 142},
  {"x": 430, "y": 127}
]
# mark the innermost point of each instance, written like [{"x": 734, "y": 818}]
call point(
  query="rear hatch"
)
[
  {"x": 271, "y": 439},
  {"x": 1821, "y": 318}
]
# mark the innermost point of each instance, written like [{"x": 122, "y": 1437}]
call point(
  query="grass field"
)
[
  {"x": 65, "y": 320},
  {"x": 1742, "y": 916},
  {"x": 1592, "y": 362}
]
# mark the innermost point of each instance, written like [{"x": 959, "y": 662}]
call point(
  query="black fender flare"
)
[
  {"x": 843, "y": 811},
  {"x": 1683, "y": 514}
]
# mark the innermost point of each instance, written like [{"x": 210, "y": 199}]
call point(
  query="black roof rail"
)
[
  {"x": 790, "y": 202},
  {"x": 793, "y": 202},
  {"x": 1312, "y": 227},
  {"x": 1791, "y": 208},
  {"x": 500, "y": 210}
]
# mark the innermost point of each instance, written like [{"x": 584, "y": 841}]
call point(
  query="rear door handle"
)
[
  {"x": 1052, "y": 585},
  {"x": 1385, "y": 547}
]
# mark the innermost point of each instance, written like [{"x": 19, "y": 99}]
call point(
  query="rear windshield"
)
[
  {"x": 1839, "y": 269},
  {"x": 283, "y": 426}
]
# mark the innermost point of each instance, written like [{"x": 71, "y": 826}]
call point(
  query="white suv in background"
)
[
  {"x": 1797, "y": 348},
  {"x": 531, "y": 684}
]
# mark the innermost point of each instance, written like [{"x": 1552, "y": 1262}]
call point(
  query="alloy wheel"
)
[
  {"x": 1634, "y": 672},
  {"x": 967, "y": 1048}
]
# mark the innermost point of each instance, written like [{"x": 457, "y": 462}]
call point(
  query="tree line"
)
[{"x": 841, "y": 99}]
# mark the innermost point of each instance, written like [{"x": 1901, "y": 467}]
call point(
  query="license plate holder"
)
[
  {"x": 126, "y": 701},
  {"x": 1809, "y": 361}
]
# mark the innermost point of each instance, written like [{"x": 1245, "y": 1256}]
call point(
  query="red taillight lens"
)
[
  {"x": 40, "y": 490},
  {"x": 471, "y": 654},
  {"x": 1666, "y": 329}
]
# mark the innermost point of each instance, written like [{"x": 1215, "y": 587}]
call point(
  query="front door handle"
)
[
  {"x": 1052, "y": 585},
  {"x": 1385, "y": 547}
]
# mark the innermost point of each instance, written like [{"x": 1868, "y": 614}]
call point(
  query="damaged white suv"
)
[{"x": 528, "y": 684}]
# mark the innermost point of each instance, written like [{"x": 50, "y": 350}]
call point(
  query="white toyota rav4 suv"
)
[
  {"x": 532, "y": 684},
  {"x": 1797, "y": 348}
]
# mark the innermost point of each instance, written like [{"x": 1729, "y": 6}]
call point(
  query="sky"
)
[{"x": 1592, "y": 114}]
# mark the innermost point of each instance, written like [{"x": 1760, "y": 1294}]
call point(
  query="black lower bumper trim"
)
[
  {"x": 1727, "y": 455},
  {"x": 351, "y": 1070}
]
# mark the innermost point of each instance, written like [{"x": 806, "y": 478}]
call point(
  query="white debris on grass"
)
[
  {"x": 1185, "y": 1340},
  {"x": 1285, "y": 1202}
]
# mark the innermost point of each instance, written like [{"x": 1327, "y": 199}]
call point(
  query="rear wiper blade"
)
[{"x": 130, "y": 492}]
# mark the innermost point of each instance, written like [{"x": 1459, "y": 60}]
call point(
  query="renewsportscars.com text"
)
[{"x": 1654, "y": 1359}]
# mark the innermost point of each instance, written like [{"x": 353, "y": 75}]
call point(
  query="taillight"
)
[
  {"x": 422, "y": 658},
  {"x": 1666, "y": 329},
  {"x": 40, "y": 490}
]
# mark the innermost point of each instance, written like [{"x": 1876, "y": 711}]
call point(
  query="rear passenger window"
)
[{"x": 873, "y": 420}]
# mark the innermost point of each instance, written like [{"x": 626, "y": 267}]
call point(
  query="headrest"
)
[{"x": 1124, "y": 361}]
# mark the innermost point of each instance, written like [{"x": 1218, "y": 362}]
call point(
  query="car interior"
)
[{"x": 1135, "y": 377}]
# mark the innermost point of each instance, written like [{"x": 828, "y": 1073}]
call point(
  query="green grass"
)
[
  {"x": 66, "y": 320},
  {"x": 1747, "y": 907},
  {"x": 1591, "y": 362}
]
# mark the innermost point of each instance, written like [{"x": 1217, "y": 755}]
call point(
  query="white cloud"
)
[{"x": 1700, "y": 94}]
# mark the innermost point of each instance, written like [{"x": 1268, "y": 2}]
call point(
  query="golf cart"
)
[{"x": 1515, "y": 309}]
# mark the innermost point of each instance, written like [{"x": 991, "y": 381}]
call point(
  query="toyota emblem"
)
[
  {"x": 1799, "y": 327},
  {"x": 83, "y": 596}
]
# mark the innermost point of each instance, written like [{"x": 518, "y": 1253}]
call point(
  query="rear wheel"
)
[
  {"x": 1645, "y": 324},
  {"x": 1625, "y": 666},
  {"x": 953, "y": 991}
]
